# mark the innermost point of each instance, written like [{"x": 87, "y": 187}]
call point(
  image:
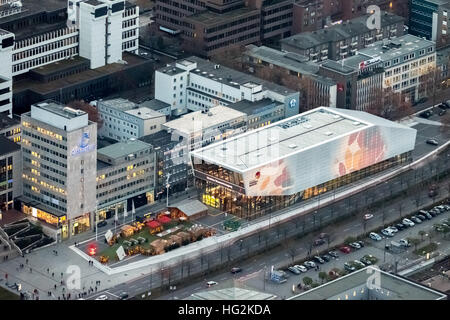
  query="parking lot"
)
[{"x": 402, "y": 256}]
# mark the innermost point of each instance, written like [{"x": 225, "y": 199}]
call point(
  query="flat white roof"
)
[
  {"x": 195, "y": 121},
  {"x": 286, "y": 137},
  {"x": 145, "y": 113}
]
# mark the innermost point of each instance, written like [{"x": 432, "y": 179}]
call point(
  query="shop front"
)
[
  {"x": 110, "y": 211},
  {"x": 58, "y": 222},
  {"x": 80, "y": 224}
]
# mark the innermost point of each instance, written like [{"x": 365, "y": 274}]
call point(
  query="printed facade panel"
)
[{"x": 328, "y": 161}]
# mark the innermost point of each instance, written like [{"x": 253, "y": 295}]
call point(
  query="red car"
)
[{"x": 345, "y": 249}]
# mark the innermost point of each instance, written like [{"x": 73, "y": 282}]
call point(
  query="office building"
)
[
  {"x": 266, "y": 169},
  {"x": 343, "y": 40},
  {"x": 428, "y": 18},
  {"x": 210, "y": 26},
  {"x": 10, "y": 128},
  {"x": 59, "y": 150},
  {"x": 41, "y": 33},
  {"x": 317, "y": 90},
  {"x": 196, "y": 84},
  {"x": 10, "y": 173},
  {"x": 123, "y": 119},
  {"x": 125, "y": 174}
]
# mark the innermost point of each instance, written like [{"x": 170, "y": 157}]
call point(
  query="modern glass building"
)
[{"x": 270, "y": 168}]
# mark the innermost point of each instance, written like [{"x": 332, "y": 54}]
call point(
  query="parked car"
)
[
  {"x": 301, "y": 268},
  {"x": 442, "y": 112},
  {"x": 368, "y": 259},
  {"x": 415, "y": 219},
  {"x": 404, "y": 242},
  {"x": 123, "y": 295},
  {"x": 318, "y": 242},
  {"x": 334, "y": 254},
  {"x": 211, "y": 283},
  {"x": 102, "y": 297},
  {"x": 319, "y": 260},
  {"x": 387, "y": 233},
  {"x": 428, "y": 216},
  {"x": 375, "y": 236},
  {"x": 326, "y": 257},
  {"x": 443, "y": 106},
  {"x": 433, "y": 142},
  {"x": 446, "y": 207},
  {"x": 236, "y": 270},
  {"x": 368, "y": 216},
  {"x": 441, "y": 208},
  {"x": 408, "y": 222},
  {"x": 345, "y": 249},
  {"x": 400, "y": 226},
  {"x": 361, "y": 243},
  {"x": 355, "y": 245},
  {"x": 425, "y": 114},
  {"x": 309, "y": 264},
  {"x": 294, "y": 270},
  {"x": 421, "y": 217},
  {"x": 393, "y": 229},
  {"x": 358, "y": 264},
  {"x": 432, "y": 213},
  {"x": 349, "y": 267}
]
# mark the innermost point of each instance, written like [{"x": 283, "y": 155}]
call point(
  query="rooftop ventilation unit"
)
[
  {"x": 356, "y": 123},
  {"x": 273, "y": 139},
  {"x": 328, "y": 133},
  {"x": 307, "y": 126},
  {"x": 293, "y": 146}
]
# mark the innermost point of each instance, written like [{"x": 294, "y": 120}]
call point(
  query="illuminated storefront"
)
[
  {"x": 80, "y": 224},
  {"x": 58, "y": 222},
  {"x": 296, "y": 159}
]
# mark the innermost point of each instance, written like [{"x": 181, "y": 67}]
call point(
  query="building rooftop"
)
[
  {"x": 397, "y": 48},
  {"x": 145, "y": 113},
  {"x": 119, "y": 104},
  {"x": 357, "y": 286},
  {"x": 59, "y": 109},
  {"x": 256, "y": 107},
  {"x": 87, "y": 75},
  {"x": 338, "y": 32},
  {"x": 288, "y": 60},
  {"x": 284, "y": 138},
  {"x": 198, "y": 120},
  {"x": 209, "y": 18},
  {"x": 123, "y": 149},
  {"x": 231, "y": 77},
  {"x": 154, "y": 104},
  {"x": 337, "y": 66},
  {"x": 233, "y": 293},
  {"x": 7, "y": 122},
  {"x": 32, "y": 7},
  {"x": 160, "y": 139},
  {"x": 7, "y": 146}
]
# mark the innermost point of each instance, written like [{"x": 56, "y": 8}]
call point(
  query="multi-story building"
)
[
  {"x": 209, "y": 26},
  {"x": 343, "y": 40},
  {"x": 195, "y": 84},
  {"x": 10, "y": 173},
  {"x": 59, "y": 150},
  {"x": 428, "y": 18},
  {"x": 6, "y": 48},
  {"x": 398, "y": 64},
  {"x": 125, "y": 174},
  {"x": 39, "y": 33},
  {"x": 10, "y": 128},
  {"x": 200, "y": 128},
  {"x": 123, "y": 119},
  {"x": 359, "y": 81},
  {"x": 350, "y": 9},
  {"x": 264, "y": 170},
  {"x": 406, "y": 61},
  {"x": 317, "y": 90},
  {"x": 170, "y": 163}
]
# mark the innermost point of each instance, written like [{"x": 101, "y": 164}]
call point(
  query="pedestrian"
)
[
  {"x": 31, "y": 270},
  {"x": 55, "y": 286},
  {"x": 62, "y": 283},
  {"x": 26, "y": 261},
  {"x": 75, "y": 243},
  {"x": 53, "y": 274},
  {"x": 96, "y": 289},
  {"x": 62, "y": 274},
  {"x": 48, "y": 270}
]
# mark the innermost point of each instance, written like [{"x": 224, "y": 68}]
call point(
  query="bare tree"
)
[
  {"x": 392, "y": 105},
  {"x": 230, "y": 56},
  {"x": 291, "y": 248}
]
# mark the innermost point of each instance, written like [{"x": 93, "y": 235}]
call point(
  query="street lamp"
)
[{"x": 167, "y": 189}]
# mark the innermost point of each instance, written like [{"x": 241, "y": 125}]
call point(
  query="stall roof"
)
[{"x": 190, "y": 207}]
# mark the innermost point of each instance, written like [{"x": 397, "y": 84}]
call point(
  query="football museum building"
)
[{"x": 291, "y": 160}]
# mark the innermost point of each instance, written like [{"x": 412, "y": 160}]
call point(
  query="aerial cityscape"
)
[{"x": 224, "y": 150}]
